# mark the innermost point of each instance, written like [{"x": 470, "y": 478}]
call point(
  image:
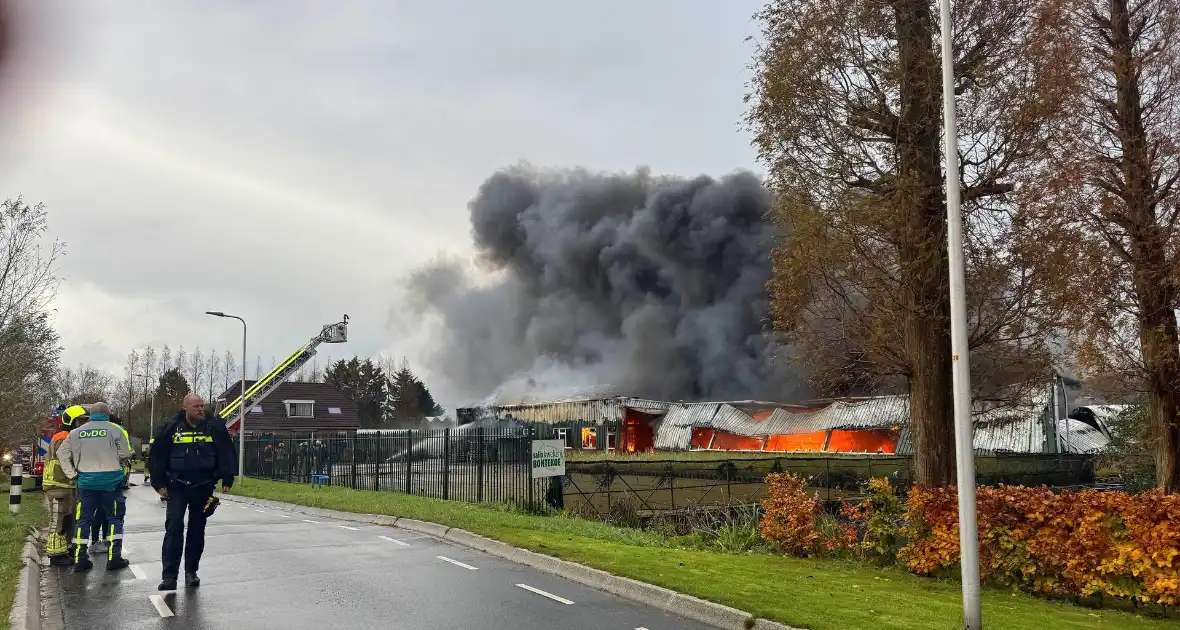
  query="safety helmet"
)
[{"x": 72, "y": 416}]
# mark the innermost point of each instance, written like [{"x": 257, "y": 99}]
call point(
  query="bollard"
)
[{"x": 14, "y": 490}]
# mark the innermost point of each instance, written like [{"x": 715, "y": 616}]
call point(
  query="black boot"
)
[
  {"x": 83, "y": 562},
  {"x": 191, "y": 580},
  {"x": 167, "y": 584},
  {"x": 116, "y": 560}
]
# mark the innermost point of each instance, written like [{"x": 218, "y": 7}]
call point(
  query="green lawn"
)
[
  {"x": 818, "y": 594},
  {"x": 13, "y": 532}
]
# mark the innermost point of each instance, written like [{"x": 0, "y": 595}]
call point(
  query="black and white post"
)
[{"x": 14, "y": 489}]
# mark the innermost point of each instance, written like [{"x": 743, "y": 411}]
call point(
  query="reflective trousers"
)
[
  {"x": 183, "y": 498},
  {"x": 113, "y": 505},
  {"x": 62, "y": 505}
]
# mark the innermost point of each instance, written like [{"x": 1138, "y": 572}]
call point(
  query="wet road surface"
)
[{"x": 263, "y": 569}]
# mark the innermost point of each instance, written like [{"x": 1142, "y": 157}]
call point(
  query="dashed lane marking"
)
[
  {"x": 312, "y": 522},
  {"x": 457, "y": 563},
  {"x": 161, "y": 606},
  {"x": 137, "y": 572},
  {"x": 394, "y": 541},
  {"x": 545, "y": 594},
  {"x": 355, "y": 529},
  {"x": 282, "y": 516}
]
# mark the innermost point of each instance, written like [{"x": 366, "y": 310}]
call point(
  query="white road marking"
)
[
  {"x": 261, "y": 511},
  {"x": 313, "y": 522},
  {"x": 457, "y": 563},
  {"x": 137, "y": 572},
  {"x": 544, "y": 594},
  {"x": 641, "y": 628},
  {"x": 161, "y": 606},
  {"x": 282, "y": 516},
  {"x": 394, "y": 541},
  {"x": 355, "y": 529}
]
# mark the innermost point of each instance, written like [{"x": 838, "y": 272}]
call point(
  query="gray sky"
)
[{"x": 290, "y": 161}]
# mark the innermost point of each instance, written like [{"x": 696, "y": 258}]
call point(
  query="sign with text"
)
[{"x": 548, "y": 458}]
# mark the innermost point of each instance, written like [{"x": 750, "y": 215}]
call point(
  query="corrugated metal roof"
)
[
  {"x": 1078, "y": 437},
  {"x": 595, "y": 411},
  {"x": 1024, "y": 435},
  {"x": 695, "y": 415},
  {"x": 673, "y": 438}
]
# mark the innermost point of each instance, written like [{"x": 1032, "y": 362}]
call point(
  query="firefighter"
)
[
  {"x": 61, "y": 491},
  {"x": 194, "y": 454},
  {"x": 94, "y": 454}
]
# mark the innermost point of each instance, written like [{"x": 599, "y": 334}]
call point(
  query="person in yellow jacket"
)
[{"x": 61, "y": 491}]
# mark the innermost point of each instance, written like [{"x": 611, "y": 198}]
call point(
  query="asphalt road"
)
[{"x": 262, "y": 569}]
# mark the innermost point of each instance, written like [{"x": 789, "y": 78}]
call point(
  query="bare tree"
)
[
  {"x": 181, "y": 364},
  {"x": 165, "y": 363},
  {"x": 29, "y": 348},
  {"x": 231, "y": 369},
  {"x": 1121, "y": 176},
  {"x": 846, "y": 108},
  {"x": 196, "y": 371},
  {"x": 214, "y": 370}
]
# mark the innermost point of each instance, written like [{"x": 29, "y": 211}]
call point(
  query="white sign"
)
[{"x": 548, "y": 458}]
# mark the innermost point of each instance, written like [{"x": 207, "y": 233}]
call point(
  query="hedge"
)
[{"x": 1071, "y": 543}]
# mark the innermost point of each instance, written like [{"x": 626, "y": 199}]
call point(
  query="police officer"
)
[{"x": 190, "y": 455}]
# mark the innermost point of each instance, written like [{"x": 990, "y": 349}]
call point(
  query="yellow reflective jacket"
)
[{"x": 54, "y": 476}]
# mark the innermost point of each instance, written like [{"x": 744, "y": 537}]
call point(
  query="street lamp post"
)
[
  {"x": 242, "y": 406},
  {"x": 152, "y": 413},
  {"x": 960, "y": 366}
]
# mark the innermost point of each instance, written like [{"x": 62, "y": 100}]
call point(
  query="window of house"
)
[
  {"x": 300, "y": 408},
  {"x": 563, "y": 435},
  {"x": 257, "y": 409},
  {"x": 333, "y": 411},
  {"x": 611, "y": 437},
  {"x": 590, "y": 438}
]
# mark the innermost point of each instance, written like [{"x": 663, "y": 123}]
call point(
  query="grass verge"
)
[
  {"x": 817, "y": 594},
  {"x": 14, "y": 530}
]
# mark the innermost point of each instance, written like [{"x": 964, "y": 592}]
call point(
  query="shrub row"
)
[{"x": 1081, "y": 543}]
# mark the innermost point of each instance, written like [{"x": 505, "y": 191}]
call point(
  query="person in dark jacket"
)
[{"x": 190, "y": 456}]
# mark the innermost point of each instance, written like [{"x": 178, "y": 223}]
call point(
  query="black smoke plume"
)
[{"x": 601, "y": 284}]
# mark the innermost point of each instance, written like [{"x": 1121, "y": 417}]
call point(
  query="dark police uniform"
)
[{"x": 189, "y": 461}]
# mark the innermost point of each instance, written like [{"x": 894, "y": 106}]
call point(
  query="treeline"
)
[
  {"x": 385, "y": 398},
  {"x": 1069, "y": 162},
  {"x": 387, "y": 394}
]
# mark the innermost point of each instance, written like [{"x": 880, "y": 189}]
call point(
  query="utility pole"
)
[
  {"x": 241, "y": 407},
  {"x": 961, "y": 366}
]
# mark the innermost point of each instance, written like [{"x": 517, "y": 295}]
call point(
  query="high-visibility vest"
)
[{"x": 54, "y": 476}]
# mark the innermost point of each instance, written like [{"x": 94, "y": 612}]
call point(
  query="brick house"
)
[{"x": 298, "y": 409}]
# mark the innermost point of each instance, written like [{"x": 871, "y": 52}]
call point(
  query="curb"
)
[
  {"x": 670, "y": 601},
  {"x": 26, "y": 607}
]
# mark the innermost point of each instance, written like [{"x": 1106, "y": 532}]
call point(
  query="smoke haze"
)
[{"x": 606, "y": 284}]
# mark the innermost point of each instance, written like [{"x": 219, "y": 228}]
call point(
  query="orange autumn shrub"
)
[
  {"x": 1066, "y": 543},
  {"x": 790, "y": 517}
]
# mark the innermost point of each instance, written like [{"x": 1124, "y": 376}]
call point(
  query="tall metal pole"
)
[
  {"x": 152, "y": 413},
  {"x": 242, "y": 406},
  {"x": 242, "y": 414},
  {"x": 961, "y": 366}
]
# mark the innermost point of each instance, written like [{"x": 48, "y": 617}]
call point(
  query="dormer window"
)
[{"x": 300, "y": 408}]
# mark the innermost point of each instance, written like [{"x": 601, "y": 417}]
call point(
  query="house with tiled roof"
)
[{"x": 298, "y": 409}]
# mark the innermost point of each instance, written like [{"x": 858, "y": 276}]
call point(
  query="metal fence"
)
[
  {"x": 493, "y": 465},
  {"x": 653, "y": 486},
  {"x": 480, "y": 465}
]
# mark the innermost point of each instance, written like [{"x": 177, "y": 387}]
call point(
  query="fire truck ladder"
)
[{"x": 332, "y": 333}]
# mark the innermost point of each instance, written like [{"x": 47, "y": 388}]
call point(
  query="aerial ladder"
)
[{"x": 263, "y": 387}]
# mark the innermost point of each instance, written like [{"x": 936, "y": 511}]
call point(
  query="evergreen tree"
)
[{"x": 364, "y": 383}]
